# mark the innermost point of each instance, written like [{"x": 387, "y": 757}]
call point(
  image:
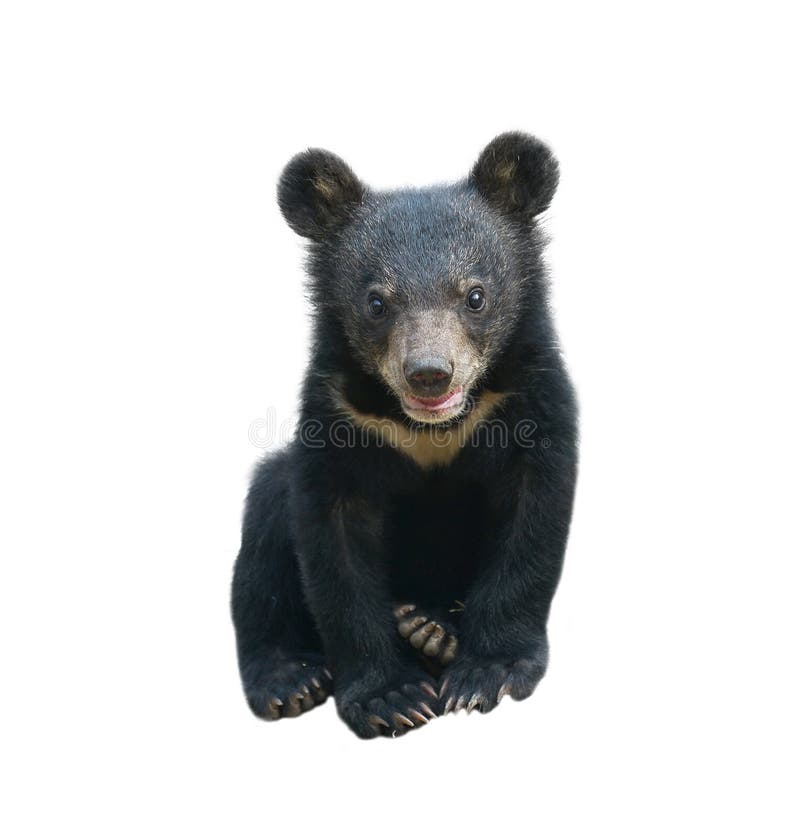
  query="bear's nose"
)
[{"x": 430, "y": 374}]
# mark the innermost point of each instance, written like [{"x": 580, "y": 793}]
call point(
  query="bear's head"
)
[{"x": 427, "y": 287}]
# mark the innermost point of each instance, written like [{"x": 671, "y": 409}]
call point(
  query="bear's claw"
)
[
  {"x": 480, "y": 685},
  {"x": 283, "y": 688},
  {"x": 392, "y": 713}
]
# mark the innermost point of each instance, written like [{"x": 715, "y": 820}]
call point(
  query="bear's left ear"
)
[
  {"x": 318, "y": 193},
  {"x": 517, "y": 174}
]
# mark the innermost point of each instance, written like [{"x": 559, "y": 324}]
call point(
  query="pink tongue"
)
[{"x": 435, "y": 404}]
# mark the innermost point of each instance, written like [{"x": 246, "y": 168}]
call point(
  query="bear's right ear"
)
[{"x": 318, "y": 193}]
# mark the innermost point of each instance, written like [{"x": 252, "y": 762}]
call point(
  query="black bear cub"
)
[{"x": 403, "y": 551}]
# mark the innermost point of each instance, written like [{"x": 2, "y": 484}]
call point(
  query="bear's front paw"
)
[
  {"x": 400, "y": 704},
  {"x": 480, "y": 683},
  {"x": 285, "y": 685}
]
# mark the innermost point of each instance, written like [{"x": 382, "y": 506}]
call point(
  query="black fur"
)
[
  {"x": 517, "y": 174},
  {"x": 335, "y": 534},
  {"x": 317, "y": 193}
]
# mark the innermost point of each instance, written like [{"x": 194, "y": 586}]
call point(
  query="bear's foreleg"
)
[
  {"x": 380, "y": 688},
  {"x": 503, "y": 646}
]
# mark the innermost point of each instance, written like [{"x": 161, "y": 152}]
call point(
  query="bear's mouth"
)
[{"x": 433, "y": 408}]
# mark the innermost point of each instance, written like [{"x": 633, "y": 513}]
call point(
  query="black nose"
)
[{"x": 429, "y": 373}]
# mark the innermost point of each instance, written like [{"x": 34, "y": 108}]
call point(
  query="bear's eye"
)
[
  {"x": 376, "y": 306},
  {"x": 476, "y": 300}
]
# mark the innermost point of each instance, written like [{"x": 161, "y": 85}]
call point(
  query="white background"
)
[{"x": 152, "y": 310}]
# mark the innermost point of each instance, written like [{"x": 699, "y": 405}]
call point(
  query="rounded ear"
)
[
  {"x": 517, "y": 174},
  {"x": 318, "y": 193}
]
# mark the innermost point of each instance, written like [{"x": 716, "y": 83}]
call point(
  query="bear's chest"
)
[{"x": 435, "y": 535}]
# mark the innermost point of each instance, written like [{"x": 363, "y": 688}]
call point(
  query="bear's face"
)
[
  {"x": 427, "y": 292},
  {"x": 427, "y": 285}
]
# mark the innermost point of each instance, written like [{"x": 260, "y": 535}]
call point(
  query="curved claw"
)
[
  {"x": 428, "y": 688},
  {"x": 477, "y": 698},
  {"x": 293, "y": 707},
  {"x": 504, "y": 690},
  {"x": 307, "y": 702}
]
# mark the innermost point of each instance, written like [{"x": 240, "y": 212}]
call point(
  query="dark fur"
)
[{"x": 333, "y": 535}]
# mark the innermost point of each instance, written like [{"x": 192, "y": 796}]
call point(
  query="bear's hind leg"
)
[
  {"x": 281, "y": 662},
  {"x": 283, "y": 685}
]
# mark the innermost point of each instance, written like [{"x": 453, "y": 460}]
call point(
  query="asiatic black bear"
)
[{"x": 403, "y": 551}]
